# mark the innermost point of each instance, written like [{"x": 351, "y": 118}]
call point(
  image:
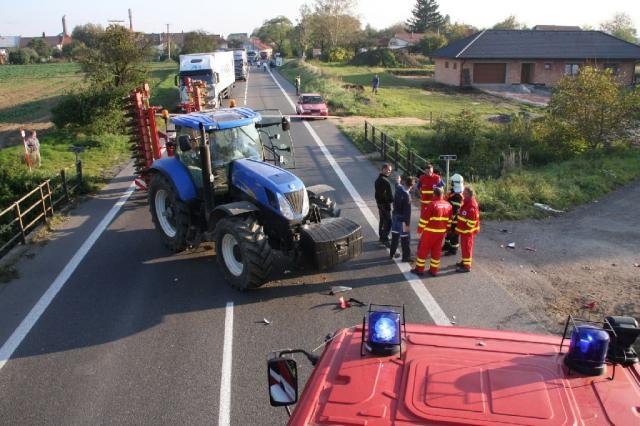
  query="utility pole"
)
[{"x": 168, "y": 43}]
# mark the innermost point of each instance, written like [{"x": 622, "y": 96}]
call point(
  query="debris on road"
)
[
  {"x": 266, "y": 321},
  {"x": 511, "y": 245},
  {"x": 590, "y": 305},
  {"x": 530, "y": 249},
  {"x": 356, "y": 301},
  {"x": 586, "y": 267},
  {"x": 339, "y": 289},
  {"x": 506, "y": 231},
  {"x": 546, "y": 208},
  {"x": 637, "y": 265},
  {"x": 343, "y": 304},
  {"x": 453, "y": 319}
]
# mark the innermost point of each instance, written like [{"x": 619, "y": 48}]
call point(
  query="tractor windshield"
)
[{"x": 235, "y": 143}]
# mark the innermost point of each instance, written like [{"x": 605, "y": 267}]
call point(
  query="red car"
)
[{"x": 313, "y": 105}]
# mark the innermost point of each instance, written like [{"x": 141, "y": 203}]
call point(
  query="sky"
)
[{"x": 32, "y": 18}]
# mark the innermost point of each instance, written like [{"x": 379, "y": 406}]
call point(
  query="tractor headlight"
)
[
  {"x": 305, "y": 204},
  {"x": 285, "y": 207}
]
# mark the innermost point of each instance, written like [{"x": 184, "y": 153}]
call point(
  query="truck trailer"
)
[
  {"x": 216, "y": 69},
  {"x": 240, "y": 64}
]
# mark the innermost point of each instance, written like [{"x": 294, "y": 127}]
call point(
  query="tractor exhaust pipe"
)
[{"x": 207, "y": 174}]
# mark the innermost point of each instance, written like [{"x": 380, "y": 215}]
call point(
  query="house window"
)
[
  {"x": 615, "y": 68},
  {"x": 446, "y": 64},
  {"x": 571, "y": 69},
  {"x": 547, "y": 66},
  {"x": 455, "y": 65}
]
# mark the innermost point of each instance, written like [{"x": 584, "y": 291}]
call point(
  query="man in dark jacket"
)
[
  {"x": 401, "y": 219},
  {"x": 384, "y": 198}
]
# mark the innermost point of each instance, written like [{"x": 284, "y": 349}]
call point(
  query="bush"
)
[
  {"x": 411, "y": 60},
  {"x": 94, "y": 111},
  {"x": 23, "y": 56},
  {"x": 377, "y": 57},
  {"x": 339, "y": 54}
]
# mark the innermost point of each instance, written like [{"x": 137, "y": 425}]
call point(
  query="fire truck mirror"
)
[{"x": 283, "y": 381}]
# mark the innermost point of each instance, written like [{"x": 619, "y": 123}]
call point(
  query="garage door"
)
[{"x": 489, "y": 73}]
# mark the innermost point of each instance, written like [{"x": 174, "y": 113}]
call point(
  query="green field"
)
[{"x": 399, "y": 96}]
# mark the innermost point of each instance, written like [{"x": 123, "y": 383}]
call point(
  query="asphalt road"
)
[{"x": 137, "y": 335}]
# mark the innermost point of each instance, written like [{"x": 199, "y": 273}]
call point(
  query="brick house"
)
[{"x": 532, "y": 57}]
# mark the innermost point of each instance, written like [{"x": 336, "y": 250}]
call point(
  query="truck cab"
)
[
  {"x": 241, "y": 65},
  {"x": 215, "y": 69}
]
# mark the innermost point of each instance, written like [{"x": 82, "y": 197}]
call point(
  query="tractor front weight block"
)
[{"x": 334, "y": 240}]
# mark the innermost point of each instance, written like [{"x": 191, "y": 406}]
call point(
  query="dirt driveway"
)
[{"x": 560, "y": 264}]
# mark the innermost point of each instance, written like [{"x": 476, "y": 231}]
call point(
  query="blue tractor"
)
[{"x": 227, "y": 183}]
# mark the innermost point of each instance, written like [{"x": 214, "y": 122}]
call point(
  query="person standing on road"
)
[
  {"x": 401, "y": 220},
  {"x": 375, "y": 83},
  {"x": 452, "y": 240},
  {"x": 265, "y": 66},
  {"x": 467, "y": 226},
  {"x": 297, "y": 83},
  {"x": 427, "y": 183},
  {"x": 384, "y": 198},
  {"x": 33, "y": 145},
  {"x": 434, "y": 221}
]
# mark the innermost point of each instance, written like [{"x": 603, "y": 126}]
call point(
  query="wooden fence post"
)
[
  {"x": 383, "y": 139},
  {"x": 42, "y": 201},
  {"x": 20, "y": 224},
  {"x": 65, "y": 187},
  {"x": 365, "y": 131},
  {"x": 395, "y": 152},
  {"x": 79, "y": 171}
]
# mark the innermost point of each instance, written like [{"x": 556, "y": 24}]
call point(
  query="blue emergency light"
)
[
  {"x": 587, "y": 350},
  {"x": 383, "y": 331}
]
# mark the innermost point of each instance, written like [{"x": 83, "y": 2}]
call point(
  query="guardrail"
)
[
  {"x": 36, "y": 207},
  {"x": 403, "y": 157}
]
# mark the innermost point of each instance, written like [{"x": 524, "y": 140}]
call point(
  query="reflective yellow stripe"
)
[
  {"x": 423, "y": 221},
  {"x": 426, "y": 191},
  {"x": 434, "y": 230},
  {"x": 425, "y": 201},
  {"x": 434, "y": 261},
  {"x": 465, "y": 258},
  {"x": 422, "y": 263},
  {"x": 468, "y": 221},
  {"x": 466, "y": 231},
  {"x": 455, "y": 204},
  {"x": 442, "y": 218}
]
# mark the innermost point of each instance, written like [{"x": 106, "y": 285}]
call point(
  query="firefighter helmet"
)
[{"x": 457, "y": 183}]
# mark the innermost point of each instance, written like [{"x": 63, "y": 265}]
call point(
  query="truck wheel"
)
[
  {"x": 243, "y": 252},
  {"x": 170, "y": 215}
]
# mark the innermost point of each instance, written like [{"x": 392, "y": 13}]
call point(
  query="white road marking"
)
[
  {"x": 432, "y": 307},
  {"x": 38, "y": 309},
  {"x": 224, "y": 414},
  {"x": 246, "y": 86}
]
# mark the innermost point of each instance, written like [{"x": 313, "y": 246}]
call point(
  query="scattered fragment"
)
[
  {"x": 286, "y": 271},
  {"x": 586, "y": 267},
  {"x": 339, "y": 289},
  {"x": 501, "y": 245},
  {"x": 530, "y": 249},
  {"x": 504, "y": 230},
  {"x": 453, "y": 319},
  {"x": 614, "y": 264},
  {"x": 266, "y": 321},
  {"x": 546, "y": 208},
  {"x": 534, "y": 271},
  {"x": 175, "y": 280},
  {"x": 590, "y": 305},
  {"x": 522, "y": 266},
  {"x": 356, "y": 301},
  {"x": 343, "y": 304},
  {"x": 511, "y": 245},
  {"x": 637, "y": 265},
  {"x": 481, "y": 343}
]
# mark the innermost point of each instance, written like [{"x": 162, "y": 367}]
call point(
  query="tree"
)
[
  {"x": 425, "y": 17},
  {"x": 593, "y": 107},
  {"x": 235, "y": 43},
  {"x": 118, "y": 60},
  {"x": 19, "y": 57},
  {"x": 88, "y": 34},
  {"x": 431, "y": 42},
  {"x": 40, "y": 46},
  {"x": 276, "y": 31},
  {"x": 457, "y": 31},
  {"x": 510, "y": 23},
  {"x": 333, "y": 23},
  {"x": 199, "y": 41},
  {"x": 620, "y": 26}
]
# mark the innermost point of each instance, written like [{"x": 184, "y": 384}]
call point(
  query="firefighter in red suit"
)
[
  {"x": 427, "y": 182},
  {"x": 434, "y": 222},
  {"x": 467, "y": 226}
]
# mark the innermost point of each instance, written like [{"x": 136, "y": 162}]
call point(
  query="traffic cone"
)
[{"x": 343, "y": 303}]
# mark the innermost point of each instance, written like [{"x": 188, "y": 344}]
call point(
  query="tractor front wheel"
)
[
  {"x": 243, "y": 252},
  {"x": 170, "y": 214}
]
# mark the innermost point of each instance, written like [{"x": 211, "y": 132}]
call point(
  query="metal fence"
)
[
  {"x": 21, "y": 217},
  {"x": 392, "y": 150}
]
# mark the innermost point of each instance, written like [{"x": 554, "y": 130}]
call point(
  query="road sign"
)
[{"x": 449, "y": 157}]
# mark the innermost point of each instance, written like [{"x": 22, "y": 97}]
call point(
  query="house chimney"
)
[
  {"x": 130, "y": 21},
  {"x": 64, "y": 25},
  {"x": 43, "y": 36}
]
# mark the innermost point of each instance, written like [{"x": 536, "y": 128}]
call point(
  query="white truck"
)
[
  {"x": 216, "y": 69},
  {"x": 241, "y": 64}
]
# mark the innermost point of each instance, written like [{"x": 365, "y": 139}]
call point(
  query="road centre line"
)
[
  {"x": 432, "y": 307},
  {"x": 224, "y": 413},
  {"x": 38, "y": 309}
]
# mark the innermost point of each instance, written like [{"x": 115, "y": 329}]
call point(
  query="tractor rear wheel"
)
[
  {"x": 243, "y": 252},
  {"x": 170, "y": 214}
]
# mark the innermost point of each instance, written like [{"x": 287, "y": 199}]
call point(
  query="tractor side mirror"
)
[
  {"x": 184, "y": 143},
  {"x": 286, "y": 123},
  {"x": 282, "y": 374}
]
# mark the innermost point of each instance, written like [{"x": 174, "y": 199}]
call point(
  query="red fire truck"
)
[{"x": 386, "y": 372}]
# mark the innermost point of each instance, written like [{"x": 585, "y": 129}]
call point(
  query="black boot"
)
[
  {"x": 406, "y": 250},
  {"x": 394, "y": 245}
]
